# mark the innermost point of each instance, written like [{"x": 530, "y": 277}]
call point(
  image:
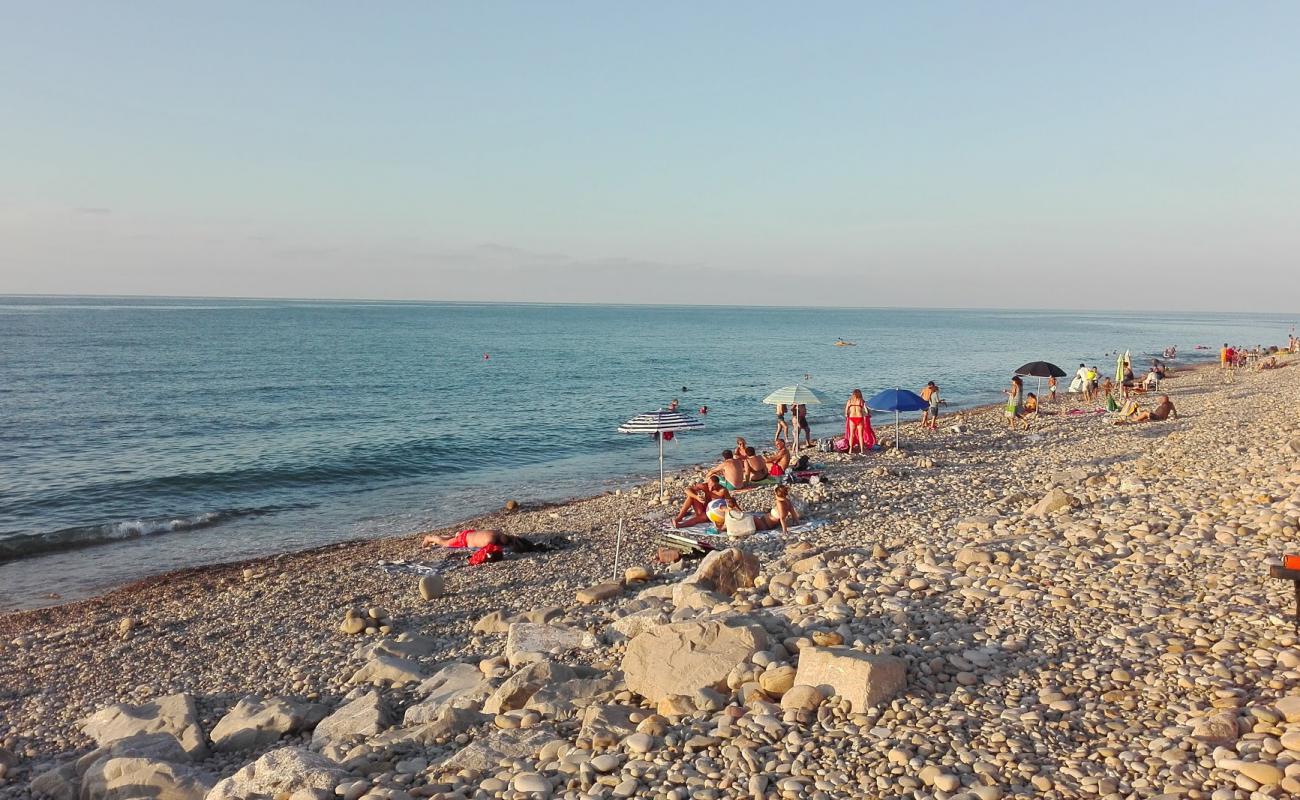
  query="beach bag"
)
[
  {"x": 801, "y": 465},
  {"x": 740, "y": 524},
  {"x": 841, "y": 445},
  {"x": 483, "y": 555},
  {"x": 1111, "y": 405}
]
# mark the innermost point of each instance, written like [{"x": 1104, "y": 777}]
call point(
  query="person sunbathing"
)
[
  {"x": 1164, "y": 410},
  {"x": 1031, "y": 404},
  {"x": 781, "y": 516},
  {"x": 698, "y": 497},
  {"x": 473, "y": 539}
]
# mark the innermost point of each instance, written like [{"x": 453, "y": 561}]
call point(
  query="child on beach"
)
[{"x": 1051, "y": 390}]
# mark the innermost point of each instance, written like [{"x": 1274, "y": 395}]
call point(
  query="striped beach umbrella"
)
[{"x": 661, "y": 422}]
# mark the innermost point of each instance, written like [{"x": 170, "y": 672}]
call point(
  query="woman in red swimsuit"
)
[{"x": 857, "y": 423}]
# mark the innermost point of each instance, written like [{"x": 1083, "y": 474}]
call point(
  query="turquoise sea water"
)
[{"x": 141, "y": 435}]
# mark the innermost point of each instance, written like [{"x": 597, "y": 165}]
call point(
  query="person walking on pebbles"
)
[{"x": 1016, "y": 404}]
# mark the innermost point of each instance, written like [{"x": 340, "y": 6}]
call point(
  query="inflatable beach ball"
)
[{"x": 716, "y": 511}]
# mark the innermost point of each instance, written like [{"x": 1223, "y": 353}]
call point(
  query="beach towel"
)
[
  {"x": 870, "y": 435},
  {"x": 414, "y": 567},
  {"x": 487, "y": 553}
]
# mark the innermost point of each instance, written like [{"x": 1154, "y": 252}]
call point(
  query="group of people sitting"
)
[
  {"x": 744, "y": 468},
  {"x": 694, "y": 510}
]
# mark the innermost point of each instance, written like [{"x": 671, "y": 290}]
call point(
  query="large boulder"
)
[
  {"x": 684, "y": 657},
  {"x": 725, "y": 571},
  {"x": 280, "y": 772},
  {"x": 861, "y": 678},
  {"x": 134, "y": 778},
  {"x": 365, "y": 716},
  {"x": 174, "y": 714},
  {"x": 516, "y": 691},
  {"x": 256, "y": 722},
  {"x": 64, "y": 782},
  {"x": 455, "y": 685},
  {"x": 1054, "y": 502},
  {"x": 529, "y": 637}
]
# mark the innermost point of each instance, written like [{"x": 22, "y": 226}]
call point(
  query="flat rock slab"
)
[
  {"x": 684, "y": 657},
  {"x": 528, "y": 637},
  {"x": 599, "y": 592},
  {"x": 486, "y": 753},
  {"x": 861, "y": 678}
]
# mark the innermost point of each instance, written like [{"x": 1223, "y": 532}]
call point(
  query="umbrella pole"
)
[
  {"x": 897, "y": 443},
  {"x": 661, "y": 465}
]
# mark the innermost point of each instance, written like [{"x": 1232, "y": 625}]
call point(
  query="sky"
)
[{"x": 992, "y": 154}]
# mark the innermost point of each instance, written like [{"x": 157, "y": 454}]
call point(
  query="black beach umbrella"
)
[{"x": 1040, "y": 370}]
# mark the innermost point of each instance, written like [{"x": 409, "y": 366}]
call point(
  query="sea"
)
[{"x": 143, "y": 435}]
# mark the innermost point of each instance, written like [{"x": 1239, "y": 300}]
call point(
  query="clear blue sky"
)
[{"x": 950, "y": 154}]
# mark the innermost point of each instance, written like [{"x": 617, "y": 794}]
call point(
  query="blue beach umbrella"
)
[{"x": 897, "y": 400}]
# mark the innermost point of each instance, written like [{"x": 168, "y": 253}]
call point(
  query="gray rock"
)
[
  {"x": 455, "y": 684},
  {"x": 174, "y": 714},
  {"x": 132, "y": 778},
  {"x": 280, "y": 772},
  {"x": 388, "y": 669},
  {"x": 256, "y": 722},
  {"x": 562, "y": 700},
  {"x": 365, "y": 716},
  {"x": 515, "y": 692}
]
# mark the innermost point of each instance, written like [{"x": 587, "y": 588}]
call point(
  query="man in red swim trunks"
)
[{"x": 473, "y": 539}]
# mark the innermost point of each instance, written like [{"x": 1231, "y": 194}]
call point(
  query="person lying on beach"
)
[
  {"x": 731, "y": 470},
  {"x": 1031, "y": 404},
  {"x": 1164, "y": 410},
  {"x": 698, "y": 497},
  {"x": 473, "y": 539},
  {"x": 781, "y": 516}
]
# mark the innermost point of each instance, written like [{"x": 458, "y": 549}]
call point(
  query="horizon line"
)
[{"x": 599, "y": 304}]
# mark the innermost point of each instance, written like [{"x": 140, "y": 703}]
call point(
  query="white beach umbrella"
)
[
  {"x": 793, "y": 395},
  {"x": 661, "y": 422}
]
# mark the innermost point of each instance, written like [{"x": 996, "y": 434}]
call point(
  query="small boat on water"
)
[{"x": 842, "y": 343}]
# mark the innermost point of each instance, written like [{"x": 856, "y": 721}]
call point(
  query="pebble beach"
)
[{"x": 1078, "y": 610}]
